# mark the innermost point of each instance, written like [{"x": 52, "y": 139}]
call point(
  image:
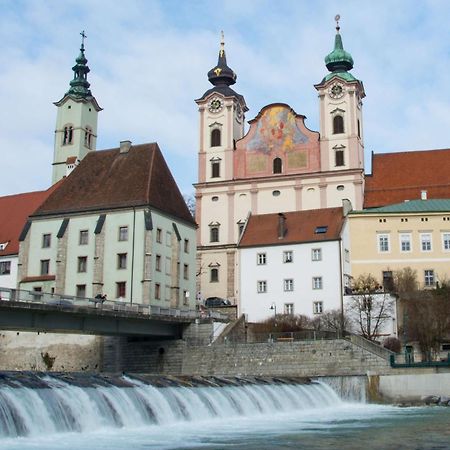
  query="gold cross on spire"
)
[
  {"x": 222, "y": 45},
  {"x": 337, "y": 18}
]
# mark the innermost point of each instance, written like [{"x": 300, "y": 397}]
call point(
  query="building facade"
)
[
  {"x": 294, "y": 263},
  {"x": 414, "y": 234},
  {"x": 278, "y": 166},
  {"x": 118, "y": 225}
]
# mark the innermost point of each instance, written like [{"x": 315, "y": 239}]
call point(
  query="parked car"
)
[{"x": 214, "y": 302}]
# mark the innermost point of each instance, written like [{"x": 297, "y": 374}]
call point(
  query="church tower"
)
[
  {"x": 76, "y": 121},
  {"x": 221, "y": 122},
  {"x": 341, "y": 130},
  {"x": 221, "y": 111}
]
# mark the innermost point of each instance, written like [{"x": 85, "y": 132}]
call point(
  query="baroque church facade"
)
[{"x": 279, "y": 165}]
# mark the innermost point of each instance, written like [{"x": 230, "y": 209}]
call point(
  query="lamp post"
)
[{"x": 273, "y": 308}]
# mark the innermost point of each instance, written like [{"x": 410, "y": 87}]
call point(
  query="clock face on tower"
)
[
  {"x": 215, "y": 105},
  {"x": 336, "y": 90}
]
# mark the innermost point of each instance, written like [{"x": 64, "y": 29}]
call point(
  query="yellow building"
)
[{"x": 413, "y": 233}]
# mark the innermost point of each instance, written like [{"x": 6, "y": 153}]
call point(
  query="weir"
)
[{"x": 34, "y": 404}]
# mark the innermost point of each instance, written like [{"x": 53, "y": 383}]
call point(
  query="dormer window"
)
[
  {"x": 215, "y": 138},
  {"x": 277, "y": 165},
  {"x": 338, "y": 124}
]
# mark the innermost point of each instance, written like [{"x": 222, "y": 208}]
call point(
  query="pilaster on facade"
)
[
  {"x": 99, "y": 260},
  {"x": 147, "y": 267},
  {"x": 61, "y": 262}
]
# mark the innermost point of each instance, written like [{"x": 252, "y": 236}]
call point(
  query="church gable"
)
[{"x": 278, "y": 142}]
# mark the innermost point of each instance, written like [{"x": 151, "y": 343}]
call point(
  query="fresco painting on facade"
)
[{"x": 277, "y": 129}]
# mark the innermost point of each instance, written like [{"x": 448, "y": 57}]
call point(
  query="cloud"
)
[{"x": 149, "y": 61}]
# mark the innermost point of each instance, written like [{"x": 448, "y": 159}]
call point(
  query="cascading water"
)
[
  {"x": 92, "y": 412},
  {"x": 50, "y": 404}
]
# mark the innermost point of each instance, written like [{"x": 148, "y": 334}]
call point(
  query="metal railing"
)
[
  {"x": 70, "y": 302},
  {"x": 409, "y": 363}
]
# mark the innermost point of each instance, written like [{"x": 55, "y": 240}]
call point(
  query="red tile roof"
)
[
  {"x": 300, "y": 227},
  {"x": 402, "y": 176},
  {"x": 14, "y": 211},
  {"x": 110, "y": 179}
]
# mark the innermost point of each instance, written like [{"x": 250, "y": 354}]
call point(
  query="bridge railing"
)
[{"x": 71, "y": 302}]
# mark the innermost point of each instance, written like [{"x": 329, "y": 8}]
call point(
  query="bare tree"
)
[
  {"x": 369, "y": 308},
  {"x": 332, "y": 320},
  {"x": 189, "y": 199}
]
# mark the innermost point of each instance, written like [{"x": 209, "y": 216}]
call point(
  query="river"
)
[{"x": 57, "y": 414}]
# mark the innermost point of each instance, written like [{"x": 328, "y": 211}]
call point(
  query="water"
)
[{"x": 131, "y": 414}]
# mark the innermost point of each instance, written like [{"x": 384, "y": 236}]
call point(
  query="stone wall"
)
[
  {"x": 299, "y": 358},
  {"x": 49, "y": 351}
]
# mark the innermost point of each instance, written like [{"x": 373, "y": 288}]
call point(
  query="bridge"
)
[{"x": 37, "y": 311}]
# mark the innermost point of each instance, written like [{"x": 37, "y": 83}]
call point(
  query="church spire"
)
[
  {"x": 221, "y": 74},
  {"x": 79, "y": 85},
  {"x": 338, "y": 60}
]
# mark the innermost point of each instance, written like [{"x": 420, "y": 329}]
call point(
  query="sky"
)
[{"x": 149, "y": 60}]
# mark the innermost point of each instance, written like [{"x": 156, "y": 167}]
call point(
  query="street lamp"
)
[{"x": 273, "y": 308}]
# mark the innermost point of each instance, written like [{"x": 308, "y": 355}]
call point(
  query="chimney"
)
[
  {"x": 423, "y": 195},
  {"x": 125, "y": 146},
  {"x": 281, "y": 226}
]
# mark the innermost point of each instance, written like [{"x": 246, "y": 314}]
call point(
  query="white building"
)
[{"x": 294, "y": 263}]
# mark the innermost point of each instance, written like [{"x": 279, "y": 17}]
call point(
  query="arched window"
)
[
  {"x": 277, "y": 165},
  {"x": 67, "y": 135},
  {"x": 215, "y": 138},
  {"x": 214, "y": 276},
  {"x": 214, "y": 234},
  {"x": 338, "y": 124},
  {"x": 88, "y": 137}
]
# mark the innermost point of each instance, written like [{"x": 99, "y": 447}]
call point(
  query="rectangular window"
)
[
  {"x": 5, "y": 267},
  {"x": 261, "y": 286},
  {"x": 446, "y": 241},
  {"x": 289, "y": 308},
  {"x": 81, "y": 290},
  {"x": 383, "y": 243},
  {"x": 121, "y": 288},
  {"x": 82, "y": 264},
  {"x": 123, "y": 233},
  {"x": 158, "y": 263},
  {"x": 317, "y": 283},
  {"x": 157, "y": 291},
  {"x": 121, "y": 260},
  {"x": 215, "y": 169},
  {"x": 185, "y": 297},
  {"x": 45, "y": 266},
  {"x": 46, "y": 240},
  {"x": 186, "y": 246},
  {"x": 316, "y": 254},
  {"x": 168, "y": 238},
  {"x": 405, "y": 242},
  {"x": 84, "y": 237},
  {"x": 186, "y": 271},
  {"x": 425, "y": 242},
  {"x": 168, "y": 293},
  {"x": 429, "y": 278},
  {"x": 261, "y": 259},
  {"x": 214, "y": 275},
  {"x": 159, "y": 235},
  {"x": 168, "y": 265},
  {"x": 317, "y": 307},
  {"x": 347, "y": 255},
  {"x": 288, "y": 256},
  {"x": 288, "y": 285}
]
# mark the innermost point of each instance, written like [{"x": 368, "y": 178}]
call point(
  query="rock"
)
[{"x": 431, "y": 400}]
